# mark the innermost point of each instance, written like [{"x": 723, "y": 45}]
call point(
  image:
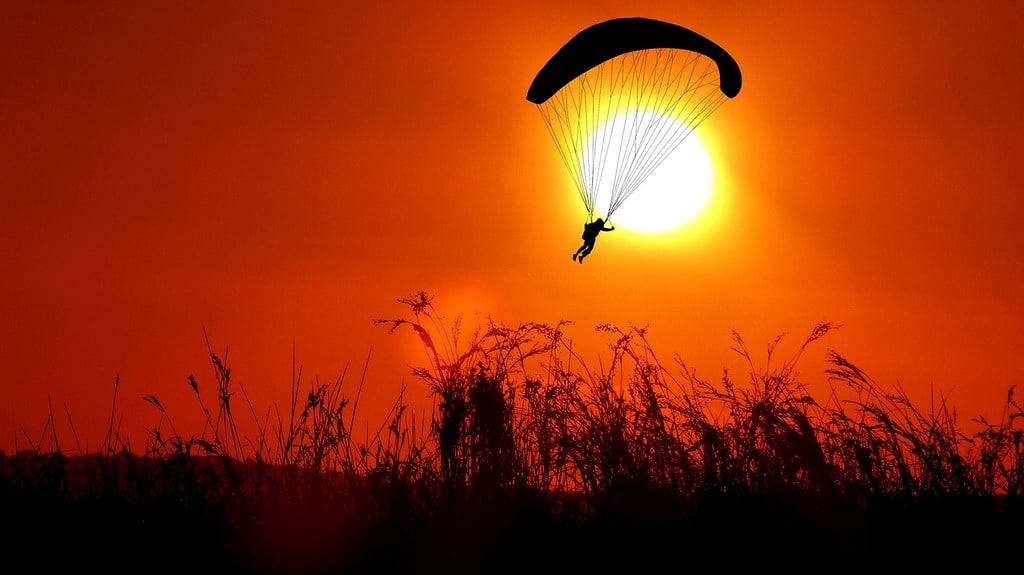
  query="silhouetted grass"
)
[{"x": 532, "y": 459}]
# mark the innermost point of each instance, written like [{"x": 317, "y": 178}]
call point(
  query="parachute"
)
[{"x": 635, "y": 85}]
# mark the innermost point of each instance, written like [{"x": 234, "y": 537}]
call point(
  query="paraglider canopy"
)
[
  {"x": 606, "y": 40},
  {"x": 637, "y": 86}
]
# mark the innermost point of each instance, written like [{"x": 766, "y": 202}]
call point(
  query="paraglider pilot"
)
[{"x": 590, "y": 232}]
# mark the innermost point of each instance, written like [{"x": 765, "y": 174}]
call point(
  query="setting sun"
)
[{"x": 672, "y": 195}]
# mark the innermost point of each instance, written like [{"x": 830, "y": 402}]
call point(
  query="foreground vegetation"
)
[{"x": 534, "y": 460}]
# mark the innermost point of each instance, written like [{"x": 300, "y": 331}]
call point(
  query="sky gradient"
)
[{"x": 275, "y": 176}]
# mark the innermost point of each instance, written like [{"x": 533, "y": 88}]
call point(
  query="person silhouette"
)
[{"x": 590, "y": 232}]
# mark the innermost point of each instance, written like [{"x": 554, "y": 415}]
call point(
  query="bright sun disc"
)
[{"x": 672, "y": 196}]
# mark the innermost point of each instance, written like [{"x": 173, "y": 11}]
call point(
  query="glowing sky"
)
[{"x": 278, "y": 174}]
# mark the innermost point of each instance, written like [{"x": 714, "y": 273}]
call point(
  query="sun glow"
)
[{"x": 673, "y": 195}]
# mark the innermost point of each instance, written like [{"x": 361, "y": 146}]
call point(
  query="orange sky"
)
[{"x": 281, "y": 173}]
